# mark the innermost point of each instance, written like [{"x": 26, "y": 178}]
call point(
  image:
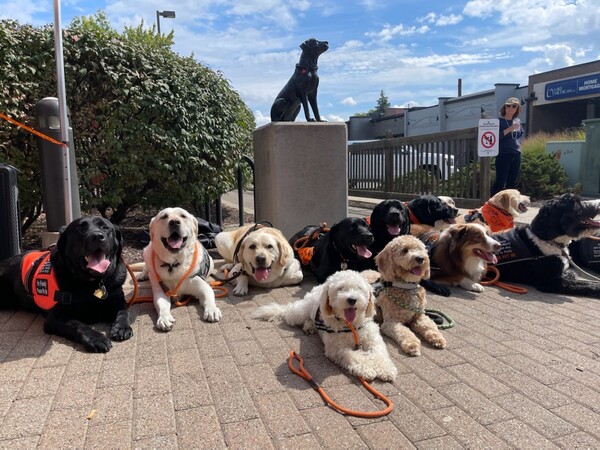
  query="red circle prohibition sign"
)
[{"x": 488, "y": 139}]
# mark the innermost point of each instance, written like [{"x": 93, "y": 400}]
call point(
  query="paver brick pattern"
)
[{"x": 520, "y": 371}]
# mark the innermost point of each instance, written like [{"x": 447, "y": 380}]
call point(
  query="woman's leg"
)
[
  {"x": 513, "y": 171},
  {"x": 503, "y": 162}
]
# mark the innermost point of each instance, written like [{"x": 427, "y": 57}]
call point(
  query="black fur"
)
[
  {"x": 339, "y": 245},
  {"x": 558, "y": 222},
  {"x": 69, "y": 318},
  {"x": 386, "y": 215},
  {"x": 301, "y": 89},
  {"x": 429, "y": 208}
]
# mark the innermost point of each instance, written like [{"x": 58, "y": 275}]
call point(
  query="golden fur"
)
[
  {"x": 403, "y": 263},
  {"x": 266, "y": 257},
  {"x": 509, "y": 200}
]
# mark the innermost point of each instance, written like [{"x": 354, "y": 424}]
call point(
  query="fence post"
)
[
  {"x": 485, "y": 182},
  {"x": 388, "y": 158}
]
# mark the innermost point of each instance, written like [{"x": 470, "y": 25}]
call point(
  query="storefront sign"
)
[{"x": 587, "y": 85}]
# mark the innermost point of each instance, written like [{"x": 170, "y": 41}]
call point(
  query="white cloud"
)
[
  {"x": 556, "y": 55},
  {"x": 261, "y": 119},
  {"x": 388, "y": 31},
  {"x": 348, "y": 101},
  {"x": 441, "y": 20}
]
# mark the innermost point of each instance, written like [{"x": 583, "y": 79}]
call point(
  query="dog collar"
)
[
  {"x": 320, "y": 324},
  {"x": 413, "y": 218},
  {"x": 256, "y": 226},
  {"x": 401, "y": 285}
]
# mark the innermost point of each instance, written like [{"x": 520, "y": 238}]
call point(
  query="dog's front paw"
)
[
  {"x": 96, "y": 343},
  {"x": 212, "y": 314},
  {"x": 121, "y": 332},
  {"x": 476, "y": 287},
  {"x": 240, "y": 289},
  {"x": 165, "y": 322},
  {"x": 309, "y": 327},
  {"x": 388, "y": 373},
  {"x": 411, "y": 348},
  {"x": 438, "y": 341}
]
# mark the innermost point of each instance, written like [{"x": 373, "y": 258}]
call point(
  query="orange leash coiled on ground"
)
[
  {"x": 495, "y": 280},
  {"x": 302, "y": 372}
]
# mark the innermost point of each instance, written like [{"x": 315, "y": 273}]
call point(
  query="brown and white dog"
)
[
  {"x": 460, "y": 254},
  {"x": 500, "y": 211},
  {"x": 402, "y": 264}
]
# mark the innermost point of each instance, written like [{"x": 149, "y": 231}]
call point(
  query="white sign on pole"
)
[{"x": 487, "y": 139}]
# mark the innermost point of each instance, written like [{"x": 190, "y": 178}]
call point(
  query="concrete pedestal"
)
[{"x": 300, "y": 174}]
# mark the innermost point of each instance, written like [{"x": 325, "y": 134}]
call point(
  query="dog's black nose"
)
[
  {"x": 419, "y": 259},
  {"x": 174, "y": 222},
  {"x": 351, "y": 301},
  {"x": 98, "y": 236},
  {"x": 260, "y": 259}
]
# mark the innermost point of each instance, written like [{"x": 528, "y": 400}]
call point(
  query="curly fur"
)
[
  {"x": 344, "y": 297},
  {"x": 403, "y": 263}
]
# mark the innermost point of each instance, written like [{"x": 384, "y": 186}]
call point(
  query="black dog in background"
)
[
  {"x": 427, "y": 209},
  {"x": 537, "y": 254},
  {"x": 301, "y": 89},
  {"x": 344, "y": 246},
  {"x": 87, "y": 269}
]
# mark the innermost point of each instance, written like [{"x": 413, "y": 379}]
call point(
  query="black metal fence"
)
[{"x": 439, "y": 164}]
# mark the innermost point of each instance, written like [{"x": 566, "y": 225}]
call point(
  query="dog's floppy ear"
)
[
  {"x": 326, "y": 309},
  {"x": 371, "y": 310},
  {"x": 385, "y": 263},
  {"x": 504, "y": 200},
  {"x": 283, "y": 246},
  {"x": 118, "y": 241},
  {"x": 195, "y": 225},
  {"x": 152, "y": 225}
]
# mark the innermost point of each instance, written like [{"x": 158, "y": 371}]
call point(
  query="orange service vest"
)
[{"x": 38, "y": 278}]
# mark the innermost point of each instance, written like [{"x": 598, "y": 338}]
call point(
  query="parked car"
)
[{"x": 368, "y": 164}]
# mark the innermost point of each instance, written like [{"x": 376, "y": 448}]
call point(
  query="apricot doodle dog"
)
[{"x": 402, "y": 264}]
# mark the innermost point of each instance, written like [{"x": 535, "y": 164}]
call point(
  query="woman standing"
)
[{"x": 508, "y": 161}]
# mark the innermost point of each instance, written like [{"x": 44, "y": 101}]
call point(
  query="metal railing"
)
[{"x": 439, "y": 164}]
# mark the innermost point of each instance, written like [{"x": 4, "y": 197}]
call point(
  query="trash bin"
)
[
  {"x": 568, "y": 154},
  {"x": 53, "y": 166},
  {"x": 10, "y": 216},
  {"x": 590, "y": 159}
]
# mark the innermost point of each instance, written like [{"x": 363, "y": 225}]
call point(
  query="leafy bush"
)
[{"x": 151, "y": 128}]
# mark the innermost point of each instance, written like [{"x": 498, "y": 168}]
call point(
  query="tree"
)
[
  {"x": 383, "y": 104},
  {"x": 151, "y": 128}
]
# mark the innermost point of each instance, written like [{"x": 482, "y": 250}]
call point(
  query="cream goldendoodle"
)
[
  {"x": 402, "y": 264},
  {"x": 345, "y": 297}
]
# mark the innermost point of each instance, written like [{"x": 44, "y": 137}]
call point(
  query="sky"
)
[{"x": 415, "y": 51}]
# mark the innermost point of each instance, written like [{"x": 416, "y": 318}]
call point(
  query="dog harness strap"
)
[
  {"x": 512, "y": 248},
  {"x": 320, "y": 325},
  {"x": 38, "y": 279},
  {"x": 205, "y": 267},
  {"x": 256, "y": 226},
  {"x": 173, "y": 293},
  {"x": 497, "y": 218},
  {"x": 393, "y": 295}
]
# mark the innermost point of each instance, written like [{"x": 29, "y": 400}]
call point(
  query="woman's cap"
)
[{"x": 513, "y": 101}]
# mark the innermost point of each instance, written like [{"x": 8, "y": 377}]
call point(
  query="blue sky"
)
[{"x": 415, "y": 51}]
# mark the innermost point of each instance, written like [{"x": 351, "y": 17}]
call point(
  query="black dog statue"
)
[{"x": 301, "y": 89}]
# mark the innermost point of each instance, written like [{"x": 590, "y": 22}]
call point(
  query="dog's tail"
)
[{"x": 270, "y": 312}]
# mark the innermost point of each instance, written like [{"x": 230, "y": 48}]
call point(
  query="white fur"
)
[
  {"x": 373, "y": 360},
  {"x": 156, "y": 254}
]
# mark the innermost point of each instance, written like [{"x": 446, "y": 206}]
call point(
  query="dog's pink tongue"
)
[
  {"x": 261, "y": 274},
  {"x": 393, "y": 230},
  {"x": 416, "y": 271},
  {"x": 175, "y": 242},
  {"x": 363, "y": 251},
  {"x": 98, "y": 263},
  {"x": 350, "y": 314}
]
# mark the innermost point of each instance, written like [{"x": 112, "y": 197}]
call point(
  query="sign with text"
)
[
  {"x": 589, "y": 84},
  {"x": 487, "y": 142}
]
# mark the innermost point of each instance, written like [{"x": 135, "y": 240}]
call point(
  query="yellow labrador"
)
[
  {"x": 265, "y": 256},
  {"x": 175, "y": 257}
]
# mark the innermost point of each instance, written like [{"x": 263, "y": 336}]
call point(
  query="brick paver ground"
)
[{"x": 520, "y": 371}]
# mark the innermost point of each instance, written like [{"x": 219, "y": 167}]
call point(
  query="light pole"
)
[{"x": 166, "y": 15}]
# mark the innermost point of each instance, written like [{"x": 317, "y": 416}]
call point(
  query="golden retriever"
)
[
  {"x": 402, "y": 264},
  {"x": 265, "y": 256},
  {"x": 175, "y": 257},
  {"x": 500, "y": 211}
]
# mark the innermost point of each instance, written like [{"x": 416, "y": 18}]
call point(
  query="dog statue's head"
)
[
  {"x": 403, "y": 259},
  {"x": 347, "y": 296},
  {"x": 311, "y": 50}
]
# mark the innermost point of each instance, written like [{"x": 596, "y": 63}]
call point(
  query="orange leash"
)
[
  {"x": 31, "y": 130},
  {"x": 302, "y": 372},
  {"x": 495, "y": 280}
]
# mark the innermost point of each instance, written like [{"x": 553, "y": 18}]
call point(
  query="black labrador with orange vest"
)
[{"x": 77, "y": 282}]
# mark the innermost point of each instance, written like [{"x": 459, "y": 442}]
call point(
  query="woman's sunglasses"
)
[{"x": 512, "y": 105}]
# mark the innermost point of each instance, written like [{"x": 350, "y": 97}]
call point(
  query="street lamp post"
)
[{"x": 166, "y": 15}]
